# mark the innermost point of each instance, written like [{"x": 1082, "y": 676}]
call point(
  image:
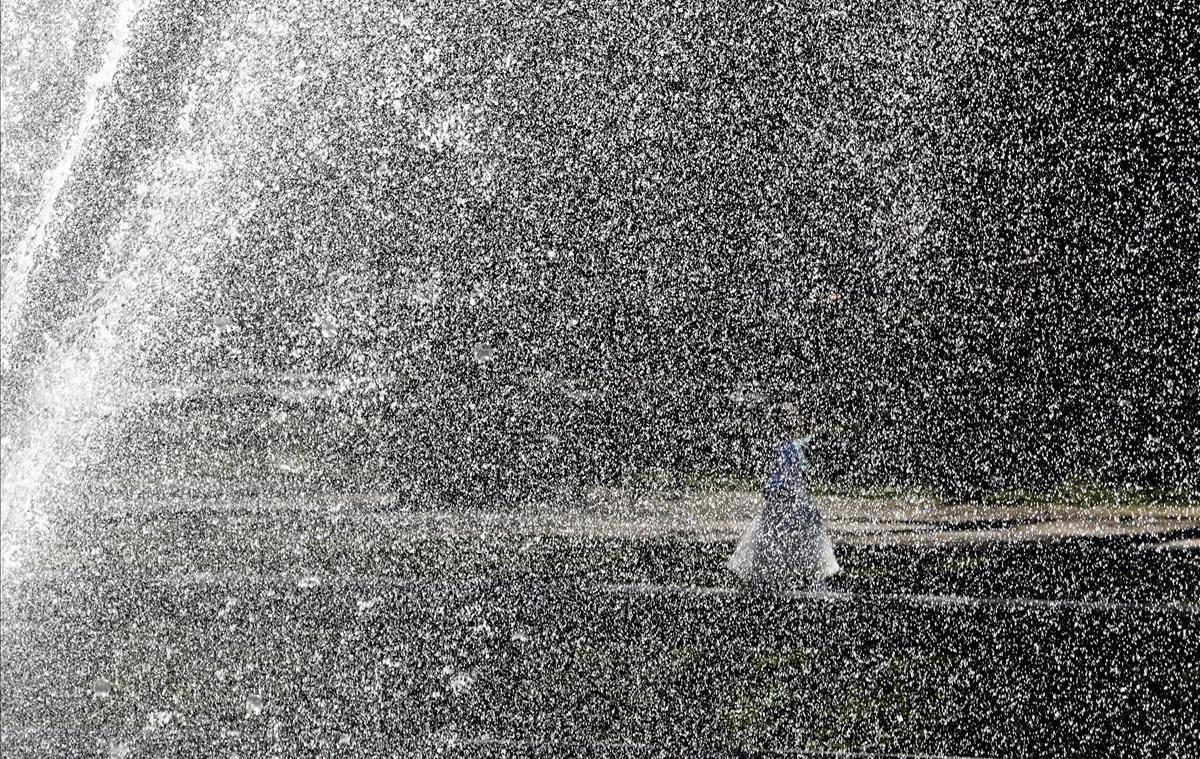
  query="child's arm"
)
[{"x": 817, "y": 431}]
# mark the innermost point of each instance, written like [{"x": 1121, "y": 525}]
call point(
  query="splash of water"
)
[
  {"x": 32, "y": 248},
  {"x": 96, "y": 369},
  {"x": 26, "y": 467},
  {"x": 190, "y": 202}
]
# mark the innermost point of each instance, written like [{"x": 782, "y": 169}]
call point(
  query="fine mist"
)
[{"x": 583, "y": 242}]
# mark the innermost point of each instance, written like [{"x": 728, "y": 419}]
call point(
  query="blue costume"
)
[
  {"x": 788, "y": 549},
  {"x": 790, "y": 469}
]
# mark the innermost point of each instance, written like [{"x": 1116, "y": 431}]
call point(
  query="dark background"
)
[{"x": 960, "y": 237}]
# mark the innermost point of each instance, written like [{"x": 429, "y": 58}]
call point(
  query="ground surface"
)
[{"x": 345, "y": 624}]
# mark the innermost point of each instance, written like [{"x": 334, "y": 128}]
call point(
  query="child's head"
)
[{"x": 786, "y": 421}]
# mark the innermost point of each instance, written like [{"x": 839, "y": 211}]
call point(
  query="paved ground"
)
[{"x": 481, "y": 668}]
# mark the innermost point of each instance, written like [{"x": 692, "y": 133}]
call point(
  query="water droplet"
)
[
  {"x": 367, "y": 603},
  {"x": 461, "y": 682},
  {"x": 101, "y": 688},
  {"x": 483, "y": 353},
  {"x": 254, "y": 705},
  {"x": 291, "y": 467},
  {"x": 328, "y": 326},
  {"x": 157, "y": 720}
]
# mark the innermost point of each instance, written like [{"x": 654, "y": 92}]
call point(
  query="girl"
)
[{"x": 787, "y": 545}]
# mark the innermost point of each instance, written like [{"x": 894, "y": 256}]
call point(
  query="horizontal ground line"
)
[{"x": 307, "y": 583}]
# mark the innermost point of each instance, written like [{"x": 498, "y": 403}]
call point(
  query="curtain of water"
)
[
  {"x": 34, "y": 247},
  {"x": 71, "y": 375},
  {"x": 183, "y": 190}
]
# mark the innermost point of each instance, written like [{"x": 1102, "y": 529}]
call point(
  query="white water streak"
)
[
  {"x": 26, "y": 255},
  {"x": 153, "y": 260}
]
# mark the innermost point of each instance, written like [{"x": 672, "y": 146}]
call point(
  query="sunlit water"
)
[
  {"x": 265, "y": 92},
  {"x": 180, "y": 209},
  {"x": 69, "y": 395}
]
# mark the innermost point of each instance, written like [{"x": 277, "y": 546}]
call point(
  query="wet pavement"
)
[{"x": 348, "y": 625}]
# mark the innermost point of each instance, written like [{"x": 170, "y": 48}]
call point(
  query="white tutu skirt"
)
[{"x": 819, "y": 549}]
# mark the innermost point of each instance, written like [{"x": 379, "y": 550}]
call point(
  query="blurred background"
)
[{"x": 489, "y": 250}]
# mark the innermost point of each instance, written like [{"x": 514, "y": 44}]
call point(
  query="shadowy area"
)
[{"x": 314, "y": 634}]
